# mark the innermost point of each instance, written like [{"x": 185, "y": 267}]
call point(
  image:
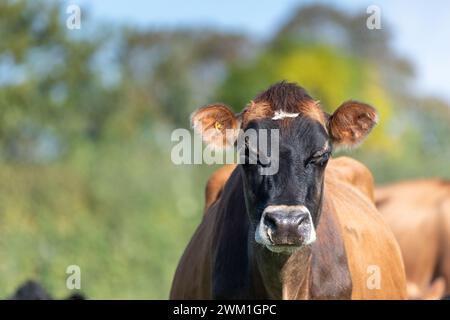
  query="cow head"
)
[{"x": 284, "y": 208}]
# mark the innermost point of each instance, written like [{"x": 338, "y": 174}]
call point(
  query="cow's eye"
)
[
  {"x": 257, "y": 158},
  {"x": 263, "y": 161},
  {"x": 253, "y": 156},
  {"x": 319, "y": 158}
]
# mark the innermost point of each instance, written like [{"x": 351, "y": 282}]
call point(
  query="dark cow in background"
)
[
  {"x": 418, "y": 213},
  {"x": 32, "y": 290},
  {"x": 296, "y": 234}
]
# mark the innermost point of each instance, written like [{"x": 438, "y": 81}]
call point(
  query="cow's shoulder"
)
[
  {"x": 216, "y": 182},
  {"x": 354, "y": 172},
  {"x": 372, "y": 250}
]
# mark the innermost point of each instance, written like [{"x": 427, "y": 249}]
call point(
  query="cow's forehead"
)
[
  {"x": 263, "y": 110},
  {"x": 299, "y": 133}
]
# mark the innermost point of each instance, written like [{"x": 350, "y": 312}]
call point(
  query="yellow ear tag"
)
[{"x": 218, "y": 126}]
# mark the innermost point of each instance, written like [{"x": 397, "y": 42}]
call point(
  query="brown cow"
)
[
  {"x": 419, "y": 215},
  {"x": 295, "y": 233}
]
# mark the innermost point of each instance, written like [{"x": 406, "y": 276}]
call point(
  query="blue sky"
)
[{"x": 421, "y": 29}]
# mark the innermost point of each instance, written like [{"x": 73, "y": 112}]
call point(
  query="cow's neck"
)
[
  {"x": 284, "y": 276},
  {"x": 319, "y": 271}
]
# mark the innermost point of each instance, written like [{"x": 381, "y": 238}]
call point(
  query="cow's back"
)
[
  {"x": 352, "y": 171},
  {"x": 370, "y": 244}
]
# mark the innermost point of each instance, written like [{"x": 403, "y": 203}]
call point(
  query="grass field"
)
[{"x": 123, "y": 214}]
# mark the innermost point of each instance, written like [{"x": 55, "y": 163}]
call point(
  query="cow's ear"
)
[
  {"x": 217, "y": 125},
  {"x": 351, "y": 123}
]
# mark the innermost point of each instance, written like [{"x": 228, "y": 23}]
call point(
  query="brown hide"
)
[
  {"x": 353, "y": 172},
  {"x": 369, "y": 243}
]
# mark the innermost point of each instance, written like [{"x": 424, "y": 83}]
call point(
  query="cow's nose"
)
[{"x": 287, "y": 228}]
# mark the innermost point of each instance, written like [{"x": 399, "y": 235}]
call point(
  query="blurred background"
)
[{"x": 86, "y": 117}]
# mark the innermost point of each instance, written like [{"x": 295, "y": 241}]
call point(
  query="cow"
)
[
  {"x": 297, "y": 233},
  {"x": 344, "y": 168},
  {"x": 418, "y": 212},
  {"x": 32, "y": 290}
]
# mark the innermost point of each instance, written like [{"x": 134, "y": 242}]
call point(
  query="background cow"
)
[
  {"x": 419, "y": 215},
  {"x": 32, "y": 290},
  {"x": 299, "y": 233}
]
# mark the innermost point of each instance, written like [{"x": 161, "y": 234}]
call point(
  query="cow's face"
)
[{"x": 284, "y": 206}]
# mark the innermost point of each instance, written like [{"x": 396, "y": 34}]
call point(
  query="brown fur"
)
[
  {"x": 418, "y": 213},
  {"x": 215, "y": 119},
  {"x": 351, "y": 122},
  {"x": 284, "y": 97},
  {"x": 369, "y": 241},
  {"x": 313, "y": 110},
  {"x": 255, "y": 111},
  {"x": 353, "y": 172}
]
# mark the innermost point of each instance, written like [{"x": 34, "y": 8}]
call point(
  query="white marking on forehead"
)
[{"x": 280, "y": 114}]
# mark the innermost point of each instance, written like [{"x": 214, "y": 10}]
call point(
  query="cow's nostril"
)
[
  {"x": 281, "y": 220},
  {"x": 302, "y": 219},
  {"x": 270, "y": 222}
]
